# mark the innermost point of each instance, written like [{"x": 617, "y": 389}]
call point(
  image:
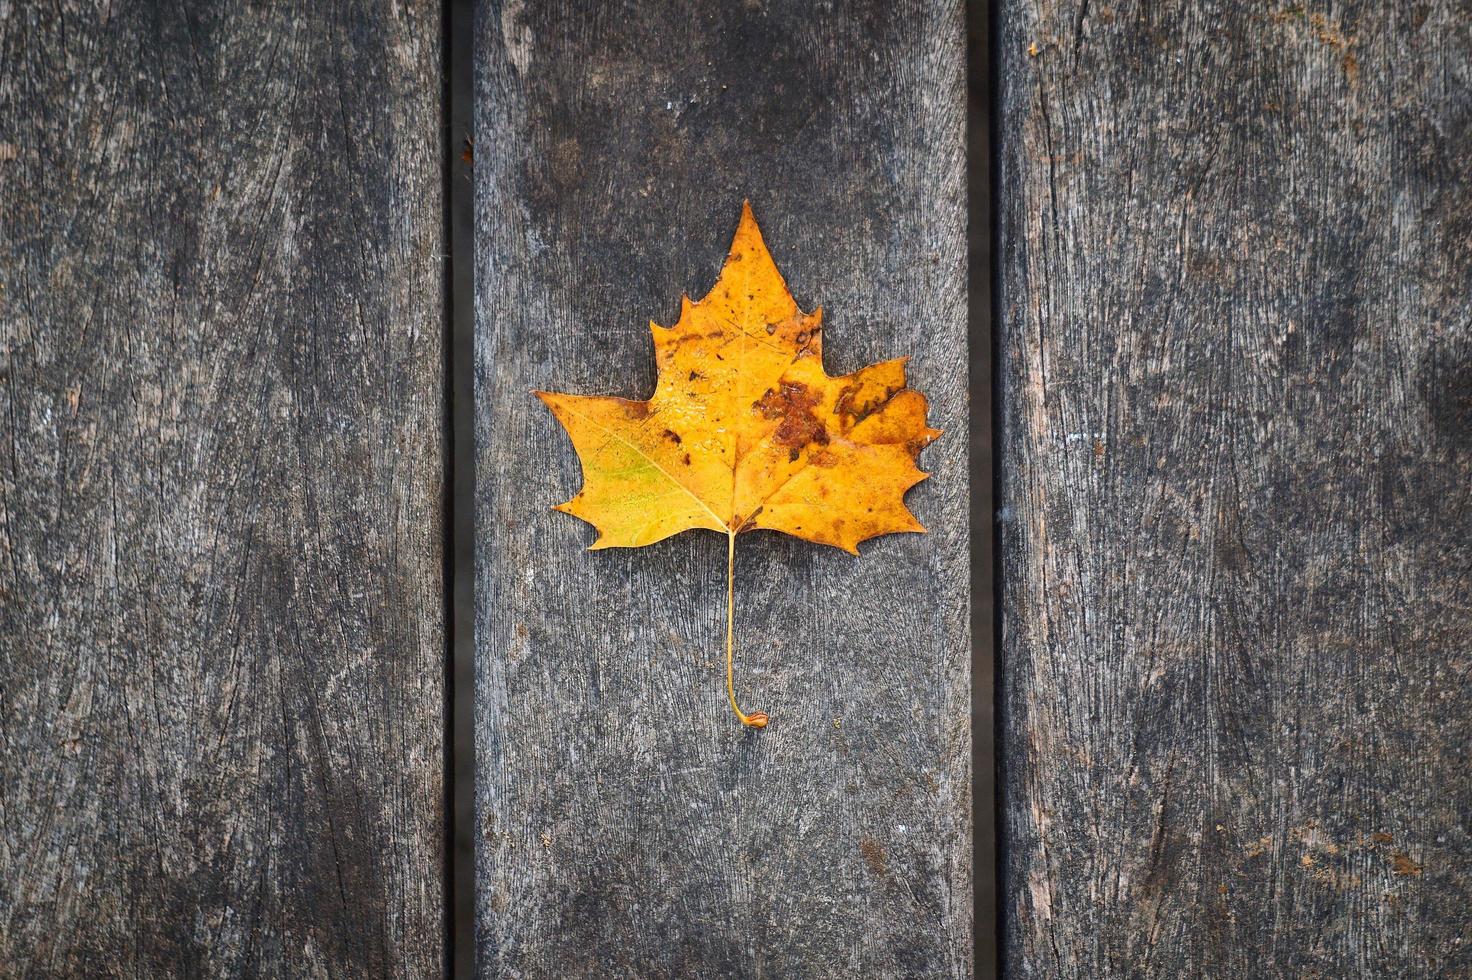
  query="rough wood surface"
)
[
  {"x": 221, "y": 652},
  {"x": 1236, "y": 456},
  {"x": 628, "y": 825}
]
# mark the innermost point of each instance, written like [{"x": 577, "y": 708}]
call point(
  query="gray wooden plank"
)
[
  {"x": 1236, "y": 488},
  {"x": 628, "y": 824},
  {"x": 221, "y": 649}
]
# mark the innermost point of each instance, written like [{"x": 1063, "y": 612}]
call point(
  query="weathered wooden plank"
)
[
  {"x": 628, "y": 824},
  {"x": 220, "y": 588},
  {"x": 1237, "y": 485}
]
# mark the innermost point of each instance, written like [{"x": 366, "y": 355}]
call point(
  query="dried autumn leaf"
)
[{"x": 746, "y": 431}]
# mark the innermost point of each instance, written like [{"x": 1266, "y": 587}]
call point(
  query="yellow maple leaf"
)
[{"x": 746, "y": 431}]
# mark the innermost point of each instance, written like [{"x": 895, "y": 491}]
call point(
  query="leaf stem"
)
[{"x": 756, "y": 719}]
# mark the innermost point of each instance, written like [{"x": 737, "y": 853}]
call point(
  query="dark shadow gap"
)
[
  {"x": 459, "y": 474},
  {"x": 991, "y": 155},
  {"x": 979, "y": 273}
]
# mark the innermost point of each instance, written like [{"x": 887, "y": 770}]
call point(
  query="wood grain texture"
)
[
  {"x": 1236, "y": 456},
  {"x": 628, "y": 825},
  {"x": 221, "y": 650}
]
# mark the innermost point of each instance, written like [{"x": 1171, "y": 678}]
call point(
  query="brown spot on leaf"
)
[
  {"x": 635, "y": 410},
  {"x": 687, "y": 459},
  {"x": 672, "y": 436},
  {"x": 793, "y": 454},
  {"x": 855, "y": 408},
  {"x": 771, "y": 329},
  {"x": 793, "y": 403}
]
